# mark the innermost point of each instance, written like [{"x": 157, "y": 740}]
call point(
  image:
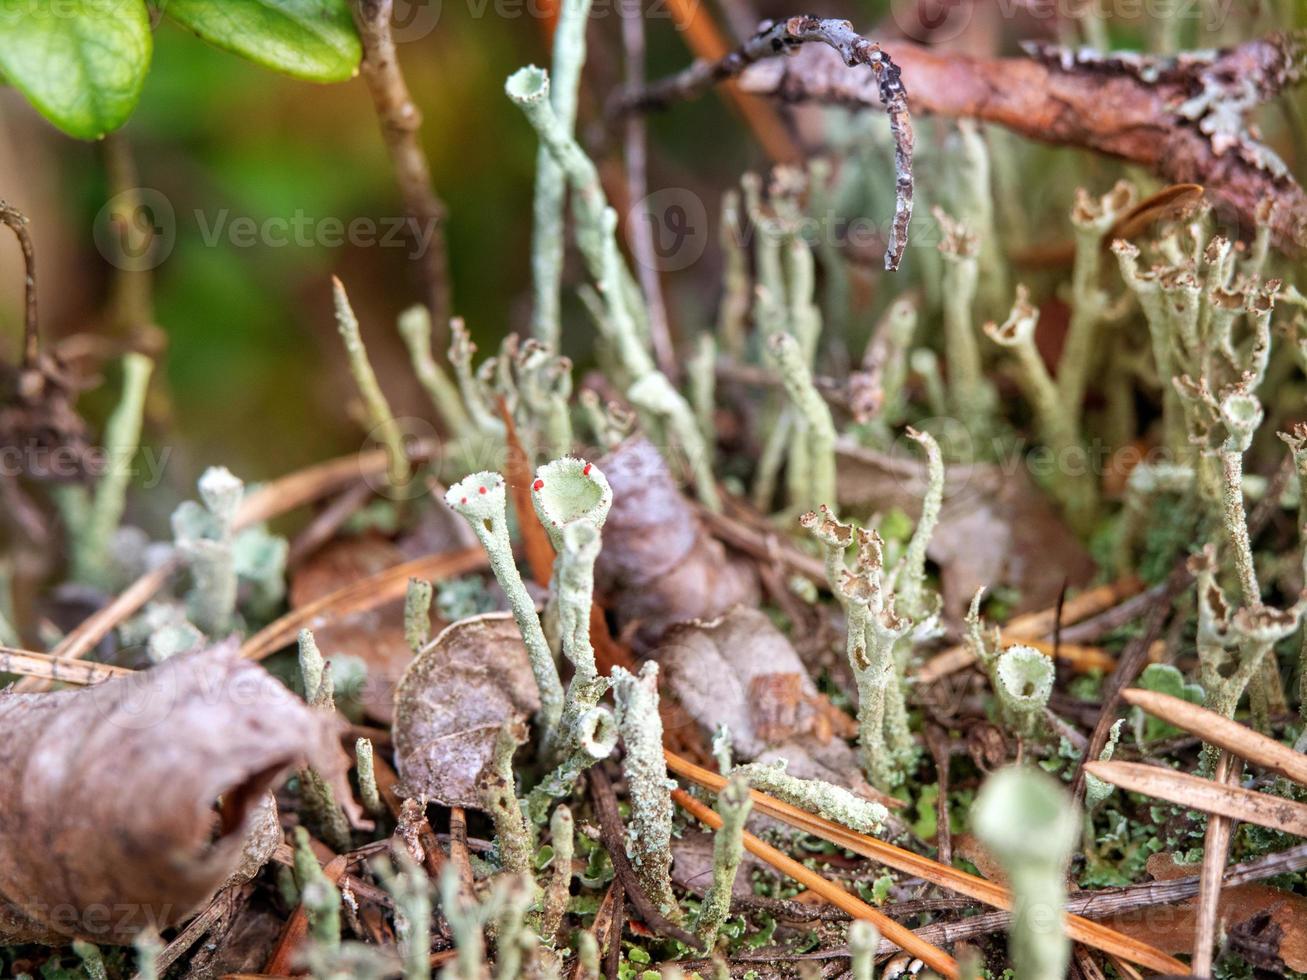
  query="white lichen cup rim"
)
[{"x": 570, "y": 491}]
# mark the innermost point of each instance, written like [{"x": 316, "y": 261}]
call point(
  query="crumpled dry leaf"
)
[
  {"x": 715, "y": 669},
  {"x": 995, "y": 527},
  {"x": 659, "y": 565},
  {"x": 107, "y": 820},
  {"x": 376, "y": 636},
  {"x": 451, "y": 702},
  {"x": 1171, "y": 927}
]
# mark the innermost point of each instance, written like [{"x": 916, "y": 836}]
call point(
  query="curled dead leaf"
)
[
  {"x": 107, "y": 819},
  {"x": 451, "y": 702},
  {"x": 735, "y": 671},
  {"x": 659, "y": 565}
]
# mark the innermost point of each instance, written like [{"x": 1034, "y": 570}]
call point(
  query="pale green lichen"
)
[
  {"x": 497, "y": 790},
  {"x": 92, "y": 521},
  {"x": 596, "y": 227},
  {"x": 864, "y": 943},
  {"x": 572, "y": 498},
  {"x": 817, "y": 796},
  {"x": 415, "y": 328},
  {"x": 587, "y": 956},
  {"x": 971, "y": 397},
  {"x": 733, "y": 805},
  {"x": 410, "y": 889},
  {"x": 321, "y": 809},
  {"x": 547, "y": 226},
  {"x": 320, "y": 898},
  {"x": 92, "y": 961},
  {"x": 1028, "y": 823},
  {"x": 818, "y": 426},
  {"x": 1074, "y": 484},
  {"x": 204, "y": 534},
  {"x": 1023, "y": 680},
  {"x": 368, "y": 791},
  {"x": 380, "y": 416},
  {"x": 557, "y": 891},
  {"x": 649, "y": 835},
  {"x": 417, "y": 614},
  {"x": 1091, "y": 306},
  {"x": 880, "y": 632},
  {"x": 480, "y": 500}
]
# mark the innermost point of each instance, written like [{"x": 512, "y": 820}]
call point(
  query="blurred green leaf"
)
[
  {"x": 309, "y": 39},
  {"x": 81, "y": 63}
]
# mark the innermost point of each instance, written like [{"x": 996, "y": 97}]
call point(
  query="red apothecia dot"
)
[
  {"x": 586, "y": 470},
  {"x": 481, "y": 489},
  {"x": 538, "y": 485},
  {"x": 463, "y": 501}
]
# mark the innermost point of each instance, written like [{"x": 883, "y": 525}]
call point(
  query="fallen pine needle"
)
[
  {"x": 1196, "y": 793},
  {"x": 1223, "y": 732},
  {"x": 297, "y": 926},
  {"x": 367, "y": 593},
  {"x": 900, "y": 935},
  {"x": 1079, "y": 929},
  {"x": 46, "y": 666}
]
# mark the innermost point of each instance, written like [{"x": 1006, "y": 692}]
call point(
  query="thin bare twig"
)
[
  {"x": 610, "y": 829},
  {"x": 637, "y": 189},
  {"x": 400, "y": 122},
  {"x": 17, "y": 222},
  {"x": 780, "y": 37},
  {"x": 1216, "y": 846}
]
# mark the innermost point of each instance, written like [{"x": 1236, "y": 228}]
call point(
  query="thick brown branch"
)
[
  {"x": 1183, "y": 119},
  {"x": 400, "y": 122}
]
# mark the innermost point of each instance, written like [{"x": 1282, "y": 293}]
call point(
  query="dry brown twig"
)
[
  {"x": 400, "y": 121},
  {"x": 779, "y": 37},
  {"x": 1196, "y": 793},
  {"x": 1216, "y": 847},
  {"x": 1182, "y": 118}
]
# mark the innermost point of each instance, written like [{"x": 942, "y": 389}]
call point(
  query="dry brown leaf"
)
[
  {"x": 1197, "y": 793},
  {"x": 451, "y": 702},
  {"x": 715, "y": 670},
  {"x": 1171, "y": 927},
  {"x": 659, "y": 565},
  {"x": 995, "y": 527},
  {"x": 107, "y": 820}
]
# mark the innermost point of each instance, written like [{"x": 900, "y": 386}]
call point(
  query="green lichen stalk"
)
[
  {"x": 562, "y": 837},
  {"x": 92, "y": 523},
  {"x": 649, "y": 836},
  {"x": 497, "y": 789},
  {"x": 1027, "y": 821},
  {"x": 733, "y": 805},
  {"x": 415, "y": 328},
  {"x": 864, "y": 943},
  {"x": 368, "y": 791},
  {"x": 321, "y": 899},
  {"x": 417, "y": 614},
  {"x": 572, "y": 498},
  {"x": 818, "y": 426},
  {"x": 205, "y": 538},
  {"x": 380, "y": 417},
  {"x": 817, "y": 796},
  {"x": 480, "y": 500}
]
